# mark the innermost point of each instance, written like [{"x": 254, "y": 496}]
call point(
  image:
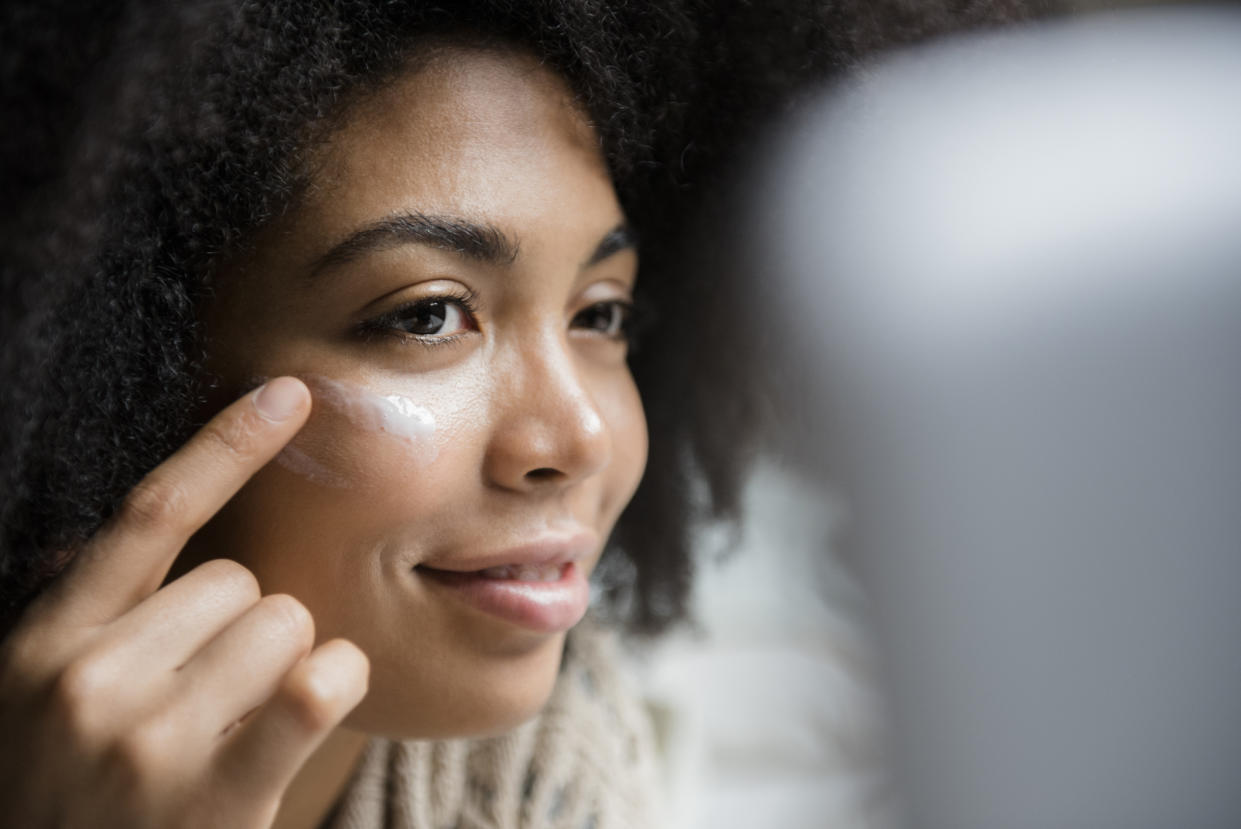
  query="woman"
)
[{"x": 388, "y": 255}]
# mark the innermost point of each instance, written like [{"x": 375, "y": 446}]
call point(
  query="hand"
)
[{"x": 126, "y": 704}]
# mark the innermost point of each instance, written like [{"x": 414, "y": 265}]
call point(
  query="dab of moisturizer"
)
[
  {"x": 390, "y": 414},
  {"x": 409, "y": 425}
]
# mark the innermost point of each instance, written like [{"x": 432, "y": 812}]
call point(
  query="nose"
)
[{"x": 548, "y": 432}]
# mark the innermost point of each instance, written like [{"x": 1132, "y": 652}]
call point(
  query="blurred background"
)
[{"x": 988, "y": 570}]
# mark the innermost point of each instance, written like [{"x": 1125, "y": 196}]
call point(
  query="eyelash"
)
[
  {"x": 626, "y": 308},
  {"x": 387, "y": 325}
]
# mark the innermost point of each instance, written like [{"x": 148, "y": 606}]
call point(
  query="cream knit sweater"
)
[{"x": 586, "y": 762}]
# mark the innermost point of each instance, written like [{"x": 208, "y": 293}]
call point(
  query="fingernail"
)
[{"x": 279, "y": 399}]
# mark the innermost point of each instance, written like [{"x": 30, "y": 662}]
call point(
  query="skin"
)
[
  {"x": 539, "y": 429},
  {"x": 539, "y": 435},
  {"x": 124, "y": 704}
]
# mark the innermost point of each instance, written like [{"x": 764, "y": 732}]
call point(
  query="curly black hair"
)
[{"x": 146, "y": 142}]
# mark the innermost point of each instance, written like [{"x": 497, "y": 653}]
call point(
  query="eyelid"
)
[
  {"x": 441, "y": 287},
  {"x": 627, "y": 310},
  {"x": 610, "y": 289},
  {"x": 385, "y": 324}
]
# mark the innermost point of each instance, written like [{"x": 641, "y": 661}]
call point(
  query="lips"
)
[
  {"x": 540, "y": 587},
  {"x": 525, "y": 572}
]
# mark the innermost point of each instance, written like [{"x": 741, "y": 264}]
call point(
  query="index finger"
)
[{"x": 129, "y": 557}]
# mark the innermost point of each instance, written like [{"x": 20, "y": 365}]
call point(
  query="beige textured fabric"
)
[{"x": 586, "y": 762}]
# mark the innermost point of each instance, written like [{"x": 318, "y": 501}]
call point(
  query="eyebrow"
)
[
  {"x": 478, "y": 241},
  {"x": 473, "y": 240},
  {"x": 617, "y": 239}
]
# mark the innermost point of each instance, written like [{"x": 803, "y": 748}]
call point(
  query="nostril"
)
[{"x": 543, "y": 473}]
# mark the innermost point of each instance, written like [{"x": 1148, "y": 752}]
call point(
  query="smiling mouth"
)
[
  {"x": 525, "y": 572},
  {"x": 544, "y": 598},
  {"x": 544, "y": 573}
]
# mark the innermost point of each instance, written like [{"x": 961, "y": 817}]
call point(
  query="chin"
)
[{"x": 464, "y": 698}]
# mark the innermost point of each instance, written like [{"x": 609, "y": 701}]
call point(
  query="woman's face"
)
[{"x": 452, "y": 289}]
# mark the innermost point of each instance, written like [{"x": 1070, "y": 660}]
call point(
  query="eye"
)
[
  {"x": 432, "y": 320},
  {"x": 611, "y": 318}
]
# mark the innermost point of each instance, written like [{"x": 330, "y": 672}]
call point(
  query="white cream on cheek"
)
[
  {"x": 390, "y": 414},
  {"x": 299, "y": 462},
  {"x": 407, "y": 425}
]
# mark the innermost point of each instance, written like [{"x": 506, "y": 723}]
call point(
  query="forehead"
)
[{"x": 470, "y": 132}]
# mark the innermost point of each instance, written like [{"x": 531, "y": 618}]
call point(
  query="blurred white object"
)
[
  {"x": 1016, "y": 263},
  {"x": 768, "y": 715}
]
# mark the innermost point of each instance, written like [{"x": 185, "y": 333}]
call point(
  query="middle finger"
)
[
  {"x": 242, "y": 667},
  {"x": 171, "y": 625}
]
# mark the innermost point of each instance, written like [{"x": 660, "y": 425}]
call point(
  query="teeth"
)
[{"x": 525, "y": 572}]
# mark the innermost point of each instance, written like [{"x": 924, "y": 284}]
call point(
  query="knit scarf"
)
[{"x": 585, "y": 762}]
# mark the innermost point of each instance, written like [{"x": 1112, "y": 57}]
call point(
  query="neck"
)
[{"x": 321, "y": 781}]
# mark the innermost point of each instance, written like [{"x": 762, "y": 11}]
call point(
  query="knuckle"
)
[
  {"x": 361, "y": 664},
  {"x": 79, "y": 691},
  {"x": 27, "y": 662},
  {"x": 141, "y": 751},
  {"x": 289, "y": 619},
  {"x": 154, "y": 503},
  {"x": 20, "y": 654},
  {"x": 234, "y": 435},
  {"x": 312, "y": 705},
  {"x": 227, "y": 576},
  {"x": 81, "y": 682}
]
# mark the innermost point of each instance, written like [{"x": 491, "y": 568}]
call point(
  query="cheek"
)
[
  {"x": 359, "y": 439},
  {"x": 621, "y": 407},
  {"x": 368, "y": 467}
]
